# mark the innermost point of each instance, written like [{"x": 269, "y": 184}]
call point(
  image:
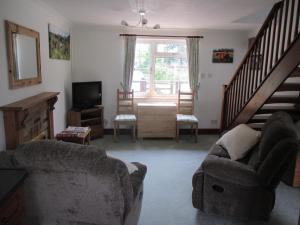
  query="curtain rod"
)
[{"x": 162, "y": 36}]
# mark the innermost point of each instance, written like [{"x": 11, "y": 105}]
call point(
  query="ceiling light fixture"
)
[{"x": 142, "y": 23}]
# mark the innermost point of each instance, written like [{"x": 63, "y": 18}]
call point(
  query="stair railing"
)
[{"x": 275, "y": 37}]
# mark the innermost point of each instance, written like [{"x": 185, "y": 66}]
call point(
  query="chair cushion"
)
[
  {"x": 125, "y": 117},
  {"x": 186, "y": 118}
]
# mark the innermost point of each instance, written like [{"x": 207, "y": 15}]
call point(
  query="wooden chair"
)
[
  {"x": 125, "y": 113},
  {"x": 185, "y": 113}
]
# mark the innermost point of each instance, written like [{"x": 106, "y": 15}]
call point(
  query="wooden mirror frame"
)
[{"x": 12, "y": 28}]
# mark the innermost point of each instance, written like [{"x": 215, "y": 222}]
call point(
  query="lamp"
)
[{"x": 142, "y": 21}]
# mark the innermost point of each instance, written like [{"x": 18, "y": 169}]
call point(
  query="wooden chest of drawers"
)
[
  {"x": 11, "y": 197},
  {"x": 156, "y": 120}
]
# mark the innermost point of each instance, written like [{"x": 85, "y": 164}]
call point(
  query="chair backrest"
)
[
  {"x": 185, "y": 103},
  {"x": 125, "y": 102}
]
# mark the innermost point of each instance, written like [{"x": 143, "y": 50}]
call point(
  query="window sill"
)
[{"x": 156, "y": 98}]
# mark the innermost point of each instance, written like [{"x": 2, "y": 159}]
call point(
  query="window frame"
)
[{"x": 154, "y": 54}]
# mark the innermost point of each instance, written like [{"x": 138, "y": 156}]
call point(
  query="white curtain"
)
[
  {"x": 193, "y": 60},
  {"x": 130, "y": 42}
]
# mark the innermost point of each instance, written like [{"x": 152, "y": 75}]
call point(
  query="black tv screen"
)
[{"x": 87, "y": 94}]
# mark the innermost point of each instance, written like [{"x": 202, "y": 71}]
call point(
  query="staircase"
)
[{"x": 268, "y": 79}]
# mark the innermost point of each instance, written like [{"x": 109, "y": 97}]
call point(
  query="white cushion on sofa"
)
[{"x": 239, "y": 141}]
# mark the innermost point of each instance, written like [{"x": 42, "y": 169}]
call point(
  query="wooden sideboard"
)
[
  {"x": 156, "y": 120},
  {"x": 11, "y": 196},
  {"x": 29, "y": 119}
]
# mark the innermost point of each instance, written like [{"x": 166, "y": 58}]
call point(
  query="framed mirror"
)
[{"x": 24, "y": 60}]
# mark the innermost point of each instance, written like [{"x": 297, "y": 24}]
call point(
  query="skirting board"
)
[{"x": 182, "y": 131}]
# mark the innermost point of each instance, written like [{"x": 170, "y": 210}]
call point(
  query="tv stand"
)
[{"x": 91, "y": 117}]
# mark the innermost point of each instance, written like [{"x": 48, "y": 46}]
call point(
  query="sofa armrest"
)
[
  {"x": 137, "y": 177},
  {"x": 197, "y": 177},
  {"x": 230, "y": 171}
]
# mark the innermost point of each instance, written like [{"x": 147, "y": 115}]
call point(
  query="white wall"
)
[
  {"x": 56, "y": 74},
  {"x": 98, "y": 55}
]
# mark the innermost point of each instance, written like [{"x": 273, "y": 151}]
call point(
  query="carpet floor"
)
[{"x": 167, "y": 187}]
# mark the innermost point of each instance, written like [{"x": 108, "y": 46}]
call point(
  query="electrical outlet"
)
[
  {"x": 203, "y": 75},
  {"x": 209, "y": 75},
  {"x": 105, "y": 122},
  {"x": 214, "y": 122}
]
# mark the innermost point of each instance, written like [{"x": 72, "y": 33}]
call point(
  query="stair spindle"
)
[
  {"x": 280, "y": 17},
  {"x": 285, "y": 26},
  {"x": 297, "y": 28},
  {"x": 291, "y": 22},
  {"x": 273, "y": 41}
]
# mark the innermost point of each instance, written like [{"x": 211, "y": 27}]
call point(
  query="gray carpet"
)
[{"x": 167, "y": 197}]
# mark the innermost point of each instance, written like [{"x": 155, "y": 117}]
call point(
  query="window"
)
[{"x": 160, "y": 68}]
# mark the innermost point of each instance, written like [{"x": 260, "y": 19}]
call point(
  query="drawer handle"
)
[{"x": 218, "y": 188}]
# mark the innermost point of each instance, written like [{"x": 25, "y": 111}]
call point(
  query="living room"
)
[{"x": 98, "y": 32}]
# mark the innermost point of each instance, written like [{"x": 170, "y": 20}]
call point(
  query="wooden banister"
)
[{"x": 265, "y": 59}]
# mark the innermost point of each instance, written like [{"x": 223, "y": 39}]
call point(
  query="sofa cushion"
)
[
  {"x": 277, "y": 161},
  {"x": 254, "y": 160},
  {"x": 239, "y": 141},
  {"x": 273, "y": 133},
  {"x": 278, "y": 117}
]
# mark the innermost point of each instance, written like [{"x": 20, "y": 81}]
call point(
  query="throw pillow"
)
[{"x": 239, "y": 141}]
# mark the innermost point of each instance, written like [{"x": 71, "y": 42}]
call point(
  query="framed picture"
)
[
  {"x": 59, "y": 43},
  {"x": 223, "y": 55}
]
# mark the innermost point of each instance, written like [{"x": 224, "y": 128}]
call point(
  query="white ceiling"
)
[{"x": 215, "y": 14}]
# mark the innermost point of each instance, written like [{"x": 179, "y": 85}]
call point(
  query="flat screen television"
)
[{"x": 87, "y": 94}]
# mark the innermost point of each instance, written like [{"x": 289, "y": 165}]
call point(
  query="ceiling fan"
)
[{"x": 142, "y": 17}]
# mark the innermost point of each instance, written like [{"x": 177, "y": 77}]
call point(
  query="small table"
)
[{"x": 79, "y": 135}]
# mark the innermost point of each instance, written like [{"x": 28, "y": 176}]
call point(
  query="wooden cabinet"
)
[
  {"x": 156, "y": 120},
  {"x": 296, "y": 182},
  {"x": 11, "y": 197},
  {"x": 92, "y": 118},
  {"x": 29, "y": 119}
]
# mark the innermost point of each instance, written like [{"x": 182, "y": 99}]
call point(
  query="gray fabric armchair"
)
[
  {"x": 245, "y": 188},
  {"x": 76, "y": 184}
]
